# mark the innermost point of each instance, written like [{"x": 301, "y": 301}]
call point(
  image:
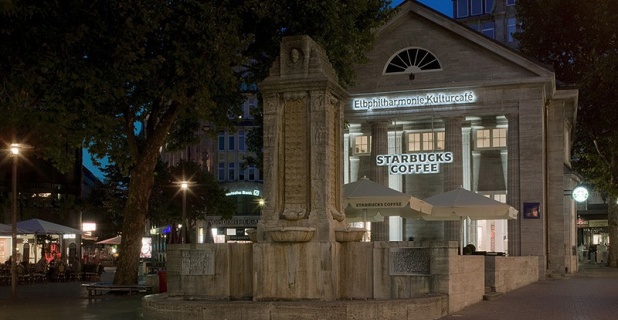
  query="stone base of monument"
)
[
  {"x": 163, "y": 306},
  {"x": 352, "y": 280}
]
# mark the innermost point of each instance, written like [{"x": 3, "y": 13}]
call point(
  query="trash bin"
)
[{"x": 162, "y": 281}]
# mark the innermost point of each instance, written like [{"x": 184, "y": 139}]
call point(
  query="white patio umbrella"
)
[
  {"x": 462, "y": 203},
  {"x": 370, "y": 201},
  {"x": 459, "y": 204}
]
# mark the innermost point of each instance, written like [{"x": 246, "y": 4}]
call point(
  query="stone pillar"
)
[
  {"x": 512, "y": 192},
  {"x": 379, "y": 145},
  {"x": 295, "y": 256},
  {"x": 453, "y": 172}
]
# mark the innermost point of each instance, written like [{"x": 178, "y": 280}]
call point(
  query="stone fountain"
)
[{"x": 305, "y": 263}]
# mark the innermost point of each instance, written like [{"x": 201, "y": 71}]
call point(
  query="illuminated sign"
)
[
  {"x": 413, "y": 100},
  {"x": 580, "y": 194},
  {"x": 254, "y": 192},
  {"x": 146, "y": 251},
  {"x": 414, "y": 163}
]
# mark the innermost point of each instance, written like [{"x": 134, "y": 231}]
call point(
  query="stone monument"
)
[{"x": 295, "y": 255}]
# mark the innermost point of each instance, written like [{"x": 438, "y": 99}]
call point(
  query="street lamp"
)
[
  {"x": 184, "y": 185},
  {"x": 15, "y": 148}
]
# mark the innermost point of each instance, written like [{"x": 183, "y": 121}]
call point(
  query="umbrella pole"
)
[
  {"x": 461, "y": 235},
  {"x": 365, "y": 223}
]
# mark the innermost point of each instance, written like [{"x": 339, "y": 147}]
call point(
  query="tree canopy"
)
[
  {"x": 579, "y": 40},
  {"x": 123, "y": 77}
]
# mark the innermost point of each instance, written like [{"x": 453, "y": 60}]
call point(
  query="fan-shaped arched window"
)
[{"x": 412, "y": 60}]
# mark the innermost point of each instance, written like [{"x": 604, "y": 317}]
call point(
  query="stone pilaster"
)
[
  {"x": 512, "y": 192},
  {"x": 379, "y": 145},
  {"x": 453, "y": 172}
]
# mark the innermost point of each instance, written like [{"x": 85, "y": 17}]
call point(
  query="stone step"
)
[{"x": 490, "y": 296}]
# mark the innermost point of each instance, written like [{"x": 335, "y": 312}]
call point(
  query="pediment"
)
[{"x": 466, "y": 57}]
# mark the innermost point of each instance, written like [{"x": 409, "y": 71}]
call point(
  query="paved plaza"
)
[{"x": 590, "y": 294}]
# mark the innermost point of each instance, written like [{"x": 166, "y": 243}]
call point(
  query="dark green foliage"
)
[
  {"x": 578, "y": 38},
  {"x": 125, "y": 77}
]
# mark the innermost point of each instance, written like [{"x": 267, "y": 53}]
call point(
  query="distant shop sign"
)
[
  {"x": 414, "y": 163},
  {"x": 253, "y": 192},
  {"x": 403, "y": 100}
]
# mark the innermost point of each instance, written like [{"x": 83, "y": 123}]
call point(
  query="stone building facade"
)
[{"x": 434, "y": 85}]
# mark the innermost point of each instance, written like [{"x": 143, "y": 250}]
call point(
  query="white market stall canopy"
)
[
  {"x": 38, "y": 226},
  {"x": 113, "y": 241}
]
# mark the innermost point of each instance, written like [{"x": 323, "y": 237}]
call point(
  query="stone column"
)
[
  {"x": 296, "y": 254},
  {"x": 379, "y": 145},
  {"x": 453, "y": 172},
  {"x": 512, "y": 191}
]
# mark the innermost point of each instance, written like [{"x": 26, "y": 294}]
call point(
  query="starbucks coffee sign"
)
[{"x": 414, "y": 163}]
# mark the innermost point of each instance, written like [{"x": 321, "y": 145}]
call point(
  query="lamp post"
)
[
  {"x": 15, "y": 154},
  {"x": 183, "y": 231}
]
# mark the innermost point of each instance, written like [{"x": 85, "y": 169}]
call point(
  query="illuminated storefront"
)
[{"x": 438, "y": 107}]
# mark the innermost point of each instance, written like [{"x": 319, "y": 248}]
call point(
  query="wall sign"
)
[
  {"x": 580, "y": 194},
  {"x": 394, "y": 100},
  {"x": 414, "y": 163}
]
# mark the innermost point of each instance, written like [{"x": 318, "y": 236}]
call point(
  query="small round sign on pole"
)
[{"x": 580, "y": 194}]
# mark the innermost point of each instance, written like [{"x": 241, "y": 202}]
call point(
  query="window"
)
[
  {"x": 489, "y": 6},
  {"x": 491, "y": 138},
  {"x": 412, "y": 60},
  {"x": 488, "y": 29},
  {"x": 231, "y": 171},
  {"x": 362, "y": 144},
  {"x": 476, "y": 7},
  {"x": 241, "y": 174},
  {"x": 241, "y": 140},
  {"x": 467, "y": 8},
  {"x": 230, "y": 145},
  {"x": 252, "y": 173},
  {"x": 462, "y": 8},
  {"x": 221, "y": 141},
  {"x": 221, "y": 171},
  {"x": 510, "y": 2},
  {"x": 425, "y": 141},
  {"x": 511, "y": 28}
]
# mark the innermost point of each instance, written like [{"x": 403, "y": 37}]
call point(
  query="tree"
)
[
  {"x": 578, "y": 38},
  {"x": 124, "y": 78}
]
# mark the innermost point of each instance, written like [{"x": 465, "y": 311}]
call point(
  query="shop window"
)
[
  {"x": 412, "y": 60},
  {"x": 362, "y": 145},
  {"x": 491, "y": 138},
  {"x": 425, "y": 141}
]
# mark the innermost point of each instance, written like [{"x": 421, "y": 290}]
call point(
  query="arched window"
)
[{"x": 412, "y": 60}]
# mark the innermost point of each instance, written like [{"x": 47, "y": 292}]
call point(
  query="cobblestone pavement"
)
[
  {"x": 68, "y": 300},
  {"x": 591, "y": 294}
]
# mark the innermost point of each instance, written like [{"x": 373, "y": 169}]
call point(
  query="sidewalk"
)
[
  {"x": 591, "y": 294},
  {"x": 68, "y": 300}
]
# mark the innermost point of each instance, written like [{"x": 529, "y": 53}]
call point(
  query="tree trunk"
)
[
  {"x": 140, "y": 186},
  {"x": 612, "y": 220}
]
